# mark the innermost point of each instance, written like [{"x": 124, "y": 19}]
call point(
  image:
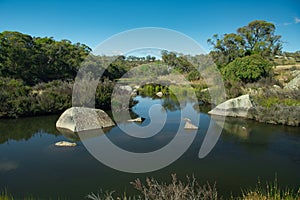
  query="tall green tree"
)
[
  {"x": 16, "y": 55},
  {"x": 178, "y": 62},
  {"x": 227, "y": 47},
  {"x": 258, "y": 37}
]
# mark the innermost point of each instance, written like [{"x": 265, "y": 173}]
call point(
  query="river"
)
[{"x": 30, "y": 164}]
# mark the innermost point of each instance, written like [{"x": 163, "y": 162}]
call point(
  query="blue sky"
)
[{"x": 91, "y": 22}]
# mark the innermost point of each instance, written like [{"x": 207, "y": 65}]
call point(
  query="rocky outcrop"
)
[
  {"x": 126, "y": 87},
  {"x": 65, "y": 144},
  {"x": 237, "y": 107},
  {"x": 78, "y": 119},
  {"x": 294, "y": 84}
]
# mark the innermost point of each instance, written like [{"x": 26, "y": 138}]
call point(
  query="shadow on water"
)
[{"x": 25, "y": 128}]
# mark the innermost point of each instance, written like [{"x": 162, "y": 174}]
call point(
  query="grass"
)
[
  {"x": 272, "y": 101},
  {"x": 271, "y": 191},
  {"x": 191, "y": 190},
  {"x": 5, "y": 196},
  {"x": 187, "y": 190},
  {"x": 153, "y": 190}
]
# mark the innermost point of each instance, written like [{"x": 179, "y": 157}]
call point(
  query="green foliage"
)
[
  {"x": 177, "y": 62},
  {"x": 268, "y": 102},
  {"x": 193, "y": 75},
  {"x": 203, "y": 96},
  {"x": 247, "y": 69},
  {"x": 276, "y": 106},
  {"x": 233, "y": 88},
  {"x": 149, "y": 71},
  {"x": 117, "y": 68},
  {"x": 258, "y": 37},
  {"x": 13, "y": 97},
  {"x": 269, "y": 191},
  {"x": 52, "y": 97},
  {"x": 103, "y": 94},
  {"x": 5, "y": 196},
  {"x": 37, "y": 60},
  {"x": 21, "y": 100}
]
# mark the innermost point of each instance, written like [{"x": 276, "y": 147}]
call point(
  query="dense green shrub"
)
[
  {"x": 18, "y": 99},
  {"x": 233, "y": 88},
  {"x": 14, "y": 97},
  {"x": 247, "y": 69},
  {"x": 103, "y": 94},
  {"x": 52, "y": 97}
]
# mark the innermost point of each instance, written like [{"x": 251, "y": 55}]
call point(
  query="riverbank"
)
[{"x": 270, "y": 104}]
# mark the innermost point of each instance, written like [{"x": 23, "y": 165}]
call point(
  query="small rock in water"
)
[
  {"x": 190, "y": 126},
  {"x": 65, "y": 144},
  {"x": 159, "y": 94},
  {"x": 139, "y": 119}
]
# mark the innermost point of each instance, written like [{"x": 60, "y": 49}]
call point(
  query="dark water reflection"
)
[{"x": 30, "y": 164}]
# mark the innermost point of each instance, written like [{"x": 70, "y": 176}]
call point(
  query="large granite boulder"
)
[
  {"x": 237, "y": 107},
  {"x": 77, "y": 119},
  {"x": 294, "y": 84}
]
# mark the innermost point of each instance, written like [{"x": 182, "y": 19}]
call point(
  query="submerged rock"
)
[
  {"x": 236, "y": 107},
  {"x": 65, "y": 144},
  {"x": 78, "y": 119},
  {"x": 139, "y": 119}
]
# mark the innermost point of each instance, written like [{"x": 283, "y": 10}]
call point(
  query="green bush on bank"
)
[
  {"x": 273, "y": 101},
  {"x": 247, "y": 69},
  {"x": 21, "y": 100}
]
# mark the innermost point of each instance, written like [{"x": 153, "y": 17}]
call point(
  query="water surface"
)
[{"x": 30, "y": 164}]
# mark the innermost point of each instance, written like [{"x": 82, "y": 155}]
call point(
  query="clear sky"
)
[{"x": 91, "y": 22}]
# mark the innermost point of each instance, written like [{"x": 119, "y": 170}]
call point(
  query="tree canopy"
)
[
  {"x": 258, "y": 37},
  {"x": 35, "y": 59}
]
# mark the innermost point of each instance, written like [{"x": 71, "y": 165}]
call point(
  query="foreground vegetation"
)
[
  {"x": 191, "y": 190},
  {"x": 188, "y": 190}
]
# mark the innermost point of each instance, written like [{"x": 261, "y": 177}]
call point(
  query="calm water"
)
[{"x": 30, "y": 164}]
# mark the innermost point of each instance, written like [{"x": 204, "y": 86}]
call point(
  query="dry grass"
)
[
  {"x": 153, "y": 190},
  {"x": 176, "y": 190}
]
